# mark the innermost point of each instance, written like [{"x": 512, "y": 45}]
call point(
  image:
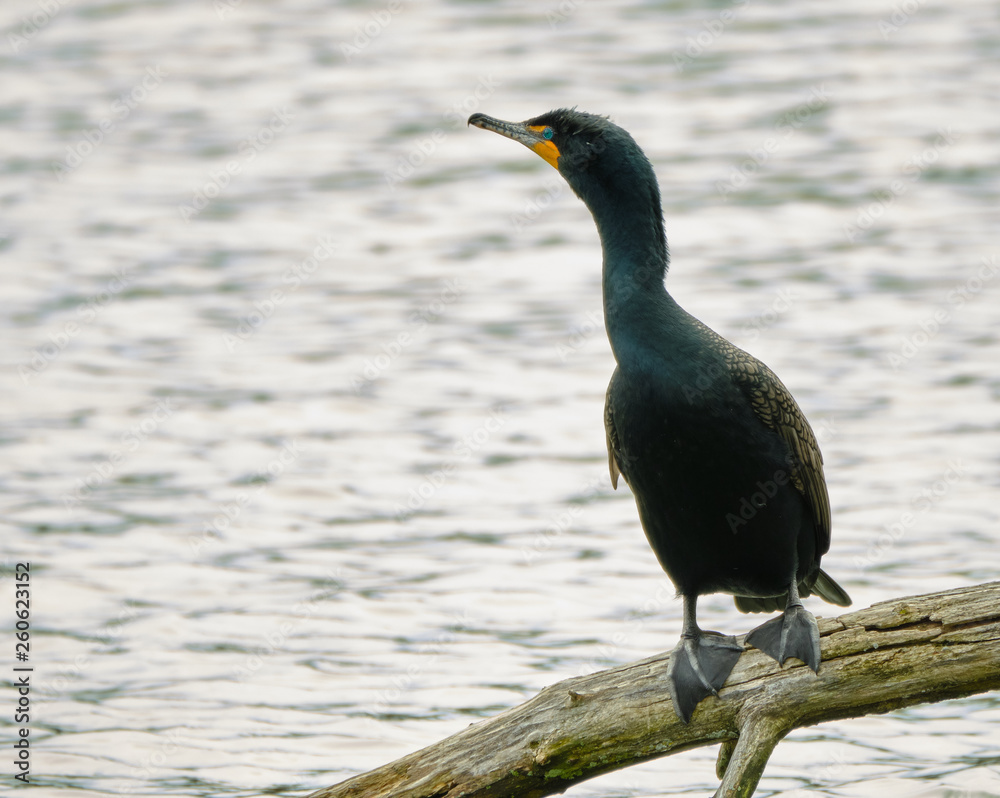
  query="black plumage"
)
[{"x": 726, "y": 471}]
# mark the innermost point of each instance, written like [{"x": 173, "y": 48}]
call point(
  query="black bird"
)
[{"x": 726, "y": 471}]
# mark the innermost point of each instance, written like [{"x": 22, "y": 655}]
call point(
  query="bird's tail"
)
[
  {"x": 828, "y": 590},
  {"x": 761, "y": 603},
  {"x": 825, "y": 587}
]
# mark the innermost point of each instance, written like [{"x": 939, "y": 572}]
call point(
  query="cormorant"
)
[{"x": 726, "y": 471}]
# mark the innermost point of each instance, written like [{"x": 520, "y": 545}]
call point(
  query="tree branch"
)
[{"x": 914, "y": 650}]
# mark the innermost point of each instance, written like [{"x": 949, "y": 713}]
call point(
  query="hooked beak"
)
[{"x": 528, "y": 135}]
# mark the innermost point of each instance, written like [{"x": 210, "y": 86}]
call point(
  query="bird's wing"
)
[
  {"x": 611, "y": 436},
  {"x": 778, "y": 410}
]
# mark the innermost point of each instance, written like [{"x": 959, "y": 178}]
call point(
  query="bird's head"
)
[
  {"x": 572, "y": 141},
  {"x": 600, "y": 161}
]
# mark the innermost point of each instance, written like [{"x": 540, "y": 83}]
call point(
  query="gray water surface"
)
[{"x": 303, "y": 379}]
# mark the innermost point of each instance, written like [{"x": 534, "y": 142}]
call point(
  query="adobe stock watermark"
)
[
  {"x": 56, "y": 684},
  {"x": 150, "y": 767},
  {"x": 563, "y": 520},
  {"x": 784, "y": 128},
  {"x": 121, "y": 109},
  {"x": 902, "y": 12},
  {"x": 780, "y": 305},
  {"x": 833, "y": 770},
  {"x": 757, "y": 501},
  {"x": 929, "y": 328},
  {"x": 277, "y": 639},
  {"x": 582, "y": 333},
  {"x": 537, "y": 205},
  {"x": 554, "y": 189},
  {"x": 963, "y": 293},
  {"x": 708, "y": 375},
  {"x": 231, "y": 511},
  {"x": 223, "y": 8},
  {"x": 767, "y": 489},
  {"x": 45, "y": 355},
  {"x": 427, "y": 655},
  {"x": 34, "y": 24},
  {"x": 594, "y": 319},
  {"x": 417, "y": 322},
  {"x": 424, "y": 148},
  {"x": 664, "y": 595},
  {"x": 130, "y": 440},
  {"x": 247, "y": 151},
  {"x": 371, "y": 29},
  {"x": 562, "y": 12},
  {"x": 292, "y": 279},
  {"x": 462, "y": 452},
  {"x": 867, "y": 215},
  {"x": 921, "y": 504},
  {"x": 713, "y": 30}
]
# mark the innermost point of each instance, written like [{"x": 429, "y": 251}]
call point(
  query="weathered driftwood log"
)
[{"x": 897, "y": 653}]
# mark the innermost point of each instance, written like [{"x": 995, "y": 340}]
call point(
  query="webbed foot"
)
[
  {"x": 794, "y": 633},
  {"x": 699, "y": 667}
]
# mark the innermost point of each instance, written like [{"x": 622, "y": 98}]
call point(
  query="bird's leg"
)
[
  {"x": 700, "y": 664},
  {"x": 794, "y": 633}
]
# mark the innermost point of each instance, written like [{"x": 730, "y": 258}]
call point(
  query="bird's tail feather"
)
[
  {"x": 761, "y": 604},
  {"x": 825, "y": 587},
  {"x": 828, "y": 590}
]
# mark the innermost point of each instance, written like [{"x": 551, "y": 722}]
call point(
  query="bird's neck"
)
[
  {"x": 622, "y": 194},
  {"x": 637, "y": 308},
  {"x": 636, "y": 304}
]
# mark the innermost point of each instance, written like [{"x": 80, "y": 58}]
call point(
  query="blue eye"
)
[{"x": 548, "y": 133}]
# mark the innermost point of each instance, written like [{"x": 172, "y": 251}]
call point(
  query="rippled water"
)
[{"x": 303, "y": 379}]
